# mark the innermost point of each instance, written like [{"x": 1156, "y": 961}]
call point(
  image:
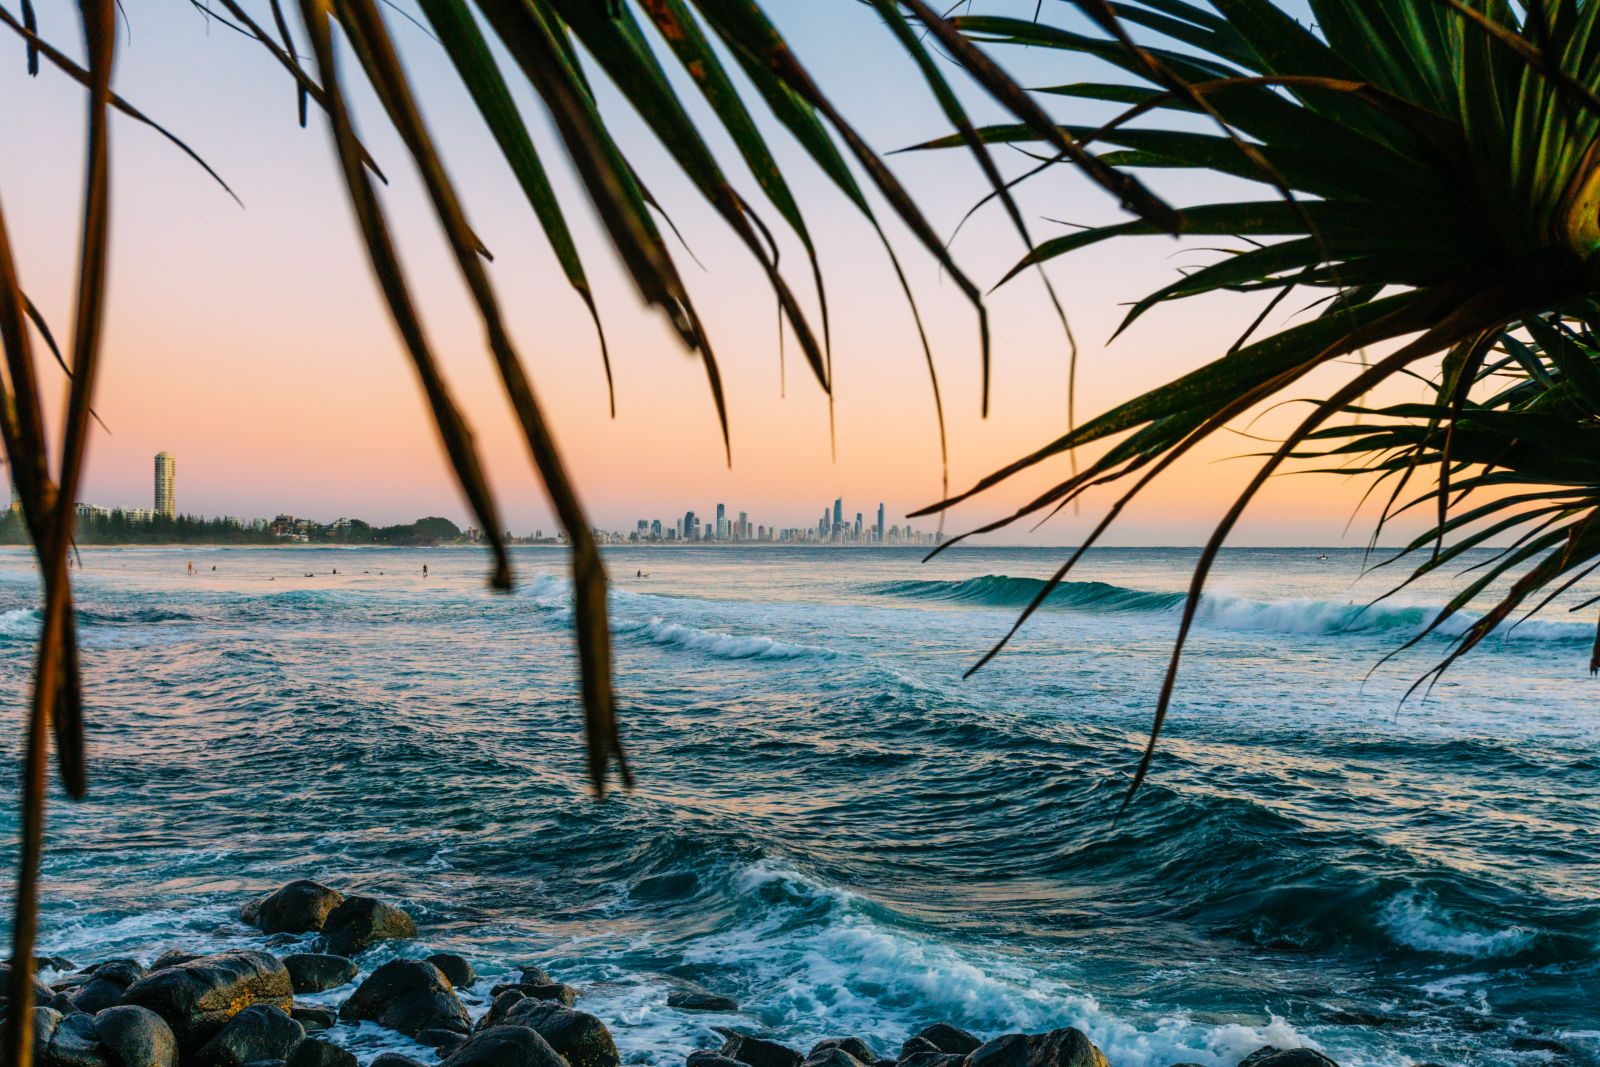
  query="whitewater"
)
[{"x": 836, "y": 827}]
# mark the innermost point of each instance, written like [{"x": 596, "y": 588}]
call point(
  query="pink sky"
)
[{"x": 252, "y": 344}]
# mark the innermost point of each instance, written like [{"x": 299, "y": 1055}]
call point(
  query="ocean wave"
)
[
  {"x": 1420, "y": 923},
  {"x": 720, "y": 645},
  {"x": 1295, "y": 616},
  {"x": 824, "y": 956}
]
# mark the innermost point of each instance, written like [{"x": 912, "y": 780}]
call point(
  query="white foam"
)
[
  {"x": 1417, "y": 921},
  {"x": 721, "y": 645}
]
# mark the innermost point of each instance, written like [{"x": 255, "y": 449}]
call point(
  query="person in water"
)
[
  {"x": 191, "y": 568},
  {"x": 424, "y": 570}
]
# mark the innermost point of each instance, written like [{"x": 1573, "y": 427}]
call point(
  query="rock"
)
[
  {"x": 1267, "y": 1056},
  {"x": 171, "y": 958},
  {"x": 445, "y": 1041},
  {"x": 394, "y": 1059},
  {"x": 59, "y": 964},
  {"x": 283, "y": 940},
  {"x": 409, "y": 996},
  {"x": 758, "y": 1052},
  {"x": 313, "y": 972},
  {"x": 836, "y": 1057},
  {"x": 137, "y": 1037},
  {"x": 564, "y": 994},
  {"x": 917, "y": 1046},
  {"x": 501, "y": 1046},
  {"x": 301, "y": 907},
  {"x": 41, "y": 992},
  {"x": 578, "y": 1037},
  {"x": 259, "y": 1032},
  {"x": 503, "y": 1003},
  {"x": 198, "y": 997},
  {"x": 687, "y": 1001},
  {"x": 75, "y": 1044},
  {"x": 315, "y": 1052},
  {"x": 853, "y": 1046},
  {"x": 708, "y": 1058},
  {"x": 363, "y": 921},
  {"x": 454, "y": 967},
  {"x": 947, "y": 1038},
  {"x": 314, "y": 1016},
  {"x": 1059, "y": 1048},
  {"x": 532, "y": 974},
  {"x": 45, "y": 1022},
  {"x": 61, "y": 1002},
  {"x": 104, "y": 984}
]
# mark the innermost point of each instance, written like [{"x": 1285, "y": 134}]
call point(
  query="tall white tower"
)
[{"x": 166, "y": 502}]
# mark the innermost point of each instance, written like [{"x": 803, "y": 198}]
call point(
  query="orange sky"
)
[{"x": 252, "y": 344}]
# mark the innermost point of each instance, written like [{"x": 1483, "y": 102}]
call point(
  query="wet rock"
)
[
  {"x": 501, "y": 1046},
  {"x": 687, "y": 1001},
  {"x": 60, "y": 964},
  {"x": 313, "y": 1016},
  {"x": 947, "y": 1038},
  {"x": 409, "y": 996},
  {"x": 102, "y": 985},
  {"x": 137, "y": 1037},
  {"x": 454, "y": 967},
  {"x": 918, "y": 1046},
  {"x": 707, "y": 1058},
  {"x": 283, "y": 940},
  {"x": 578, "y": 1037},
  {"x": 1059, "y": 1048},
  {"x": 533, "y": 974},
  {"x": 259, "y": 1032},
  {"x": 315, "y": 1052},
  {"x": 563, "y": 994},
  {"x": 171, "y": 958},
  {"x": 60, "y": 1002},
  {"x": 197, "y": 998},
  {"x": 360, "y": 922},
  {"x": 444, "y": 1041},
  {"x": 759, "y": 1052},
  {"x": 930, "y": 1059},
  {"x": 835, "y": 1057},
  {"x": 852, "y": 1046},
  {"x": 45, "y": 1022},
  {"x": 503, "y": 1002},
  {"x": 1267, "y": 1056},
  {"x": 313, "y": 972},
  {"x": 75, "y": 1044},
  {"x": 300, "y": 907},
  {"x": 41, "y": 992},
  {"x": 394, "y": 1059}
]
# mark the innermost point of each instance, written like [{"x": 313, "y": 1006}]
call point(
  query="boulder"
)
[
  {"x": 136, "y": 1037},
  {"x": 454, "y": 967},
  {"x": 1267, "y": 1056},
  {"x": 853, "y": 1046},
  {"x": 314, "y": 1016},
  {"x": 758, "y": 1052},
  {"x": 564, "y": 994},
  {"x": 502, "y": 1003},
  {"x": 259, "y": 1032},
  {"x": 684, "y": 1000},
  {"x": 198, "y": 997},
  {"x": 41, "y": 992},
  {"x": 315, "y": 1052},
  {"x": 707, "y": 1058},
  {"x": 1059, "y": 1048},
  {"x": 172, "y": 958},
  {"x": 578, "y": 1037},
  {"x": 59, "y": 964},
  {"x": 409, "y": 996},
  {"x": 533, "y": 974},
  {"x": 394, "y": 1059},
  {"x": 45, "y": 1022},
  {"x": 301, "y": 907},
  {"x": 97, "y": 988},
  {"x": 443, "y": 1042},
  {"x": 363, "y": 921},
  {"x": 947, "y": 1038},
  {"x": 75, "y": 1044},
  {"x": 918, "y": 1046},
  {"x": 931, "y": 1059},
  {"x": 314, "y": 972},
  {"x": 836, "y": 1057},
  {"x": 501, "y": 1046}
]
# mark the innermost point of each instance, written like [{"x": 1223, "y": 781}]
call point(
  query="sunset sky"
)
[{"x": 253, "y": 346}]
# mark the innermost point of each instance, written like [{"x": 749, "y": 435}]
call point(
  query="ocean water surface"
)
[{"x": 834, "y": 827}]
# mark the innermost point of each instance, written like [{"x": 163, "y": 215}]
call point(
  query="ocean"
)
[{"x": 834, "y": 827}]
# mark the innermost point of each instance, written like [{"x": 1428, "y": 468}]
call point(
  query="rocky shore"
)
[{"x": 238, "y": 1009}]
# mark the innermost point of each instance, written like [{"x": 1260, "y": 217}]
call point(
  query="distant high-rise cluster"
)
[
  {"x": 166, "y": 501},
  {"x": 831, "y": 529}
]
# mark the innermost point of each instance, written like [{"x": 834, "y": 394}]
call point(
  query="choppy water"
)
[{"x": 830, "y": 824}]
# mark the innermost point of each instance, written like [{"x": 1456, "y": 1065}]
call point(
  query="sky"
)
[{"x": 251, "y": 342}]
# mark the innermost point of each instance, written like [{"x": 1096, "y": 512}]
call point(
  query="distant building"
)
[
  {"x": 166, "y": 502},
  {"x": 838, "y": 511},
  {"x": 880, "y": 522}
]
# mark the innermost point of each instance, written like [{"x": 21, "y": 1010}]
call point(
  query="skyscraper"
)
[
  {"x": 838, "y": 511},
  {"x": 166, "y": 503},
  {"x": 722, "y": 522},
  {"x": 880, "y": 522},
  {"x": 857, "y": 534}
]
